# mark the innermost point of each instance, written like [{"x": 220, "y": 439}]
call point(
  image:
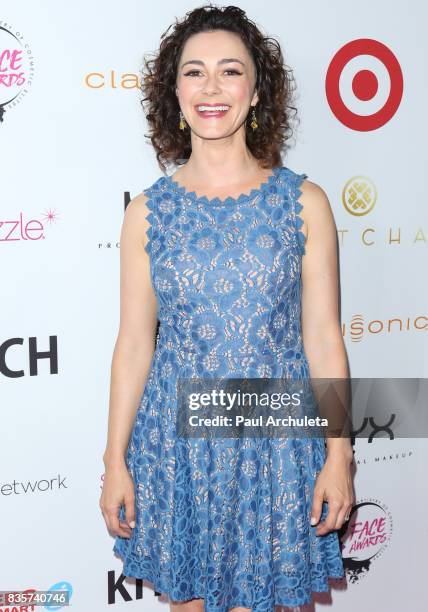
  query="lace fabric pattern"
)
[{"x": 226, "y": 520}]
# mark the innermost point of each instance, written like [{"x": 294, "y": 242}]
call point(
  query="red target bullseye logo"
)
[{"x": 363, "y": 85}]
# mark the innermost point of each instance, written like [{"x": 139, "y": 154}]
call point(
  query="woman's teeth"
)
[{"x": 202, "y": 108}]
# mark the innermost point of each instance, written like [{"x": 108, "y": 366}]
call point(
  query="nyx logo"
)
[{"x": 386, "y": 428}]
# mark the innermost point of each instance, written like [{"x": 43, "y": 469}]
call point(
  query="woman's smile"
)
[{"x": 211, "y": 110}]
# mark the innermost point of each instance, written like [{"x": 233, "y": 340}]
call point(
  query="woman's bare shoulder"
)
[
  {"x": 313, "y": 195},
  {"x": 135, "y": 221},
  {"x": 316, "y": 211},
  {"x": 137, "y": 206}
]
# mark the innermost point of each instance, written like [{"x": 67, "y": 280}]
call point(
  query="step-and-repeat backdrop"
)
[{"x": 72, "y": 153}]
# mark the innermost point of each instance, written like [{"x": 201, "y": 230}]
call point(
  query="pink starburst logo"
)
[{"x": 13, "y": 230}]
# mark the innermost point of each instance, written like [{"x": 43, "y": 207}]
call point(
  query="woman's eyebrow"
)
[{"x": 225, "y": 60}]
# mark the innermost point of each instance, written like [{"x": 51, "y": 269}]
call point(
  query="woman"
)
[{"x": 235, "y": 254}]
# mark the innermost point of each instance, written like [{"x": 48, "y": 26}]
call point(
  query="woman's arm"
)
[
  {"x": 325, "y": 350},
  {"x": 135, "y": 344},
  {"x": 322, "y": 334}
]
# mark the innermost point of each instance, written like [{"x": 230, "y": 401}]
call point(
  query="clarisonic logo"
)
[
  {"x": 358, "y": 327},
  {"x": 13, "y": 230}
]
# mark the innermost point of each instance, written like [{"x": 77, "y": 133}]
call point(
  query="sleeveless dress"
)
[{"x": 226, "y": 520}]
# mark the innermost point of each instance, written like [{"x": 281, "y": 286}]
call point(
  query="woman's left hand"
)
[{"x": 333, "y": 485}]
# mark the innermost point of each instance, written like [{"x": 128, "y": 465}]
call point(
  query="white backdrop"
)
[{"x": 72, "y": 149}]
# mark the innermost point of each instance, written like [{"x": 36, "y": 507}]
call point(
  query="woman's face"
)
[{"x": 215, "y": 68}]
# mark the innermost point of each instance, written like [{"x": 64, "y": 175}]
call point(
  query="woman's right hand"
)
[{"x": 118, "y": 489}]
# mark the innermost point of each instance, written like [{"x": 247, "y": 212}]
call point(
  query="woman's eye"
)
[{"x": 193, "y": 72}]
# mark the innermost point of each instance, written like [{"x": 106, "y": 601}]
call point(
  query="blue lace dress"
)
[{"x": 227, "y": 520}]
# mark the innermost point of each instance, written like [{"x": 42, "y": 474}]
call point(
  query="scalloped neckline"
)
[{"x": 180, "y": 189}]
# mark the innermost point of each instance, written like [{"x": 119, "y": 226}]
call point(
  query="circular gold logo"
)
[{"x": 359, "y": 196}]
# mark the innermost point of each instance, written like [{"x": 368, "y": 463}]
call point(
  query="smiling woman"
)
[
  {"x": 223, "y": 70},
  {"x": 221, "y": 254},
  {"x": 258, "y": 68}
]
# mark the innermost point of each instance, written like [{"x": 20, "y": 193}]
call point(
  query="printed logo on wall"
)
[
  {"x": 364, "y": 84},
  {"x": 358, "y": 328},
  {"x": 13, "y": 230},
  {"x": 364, "y": 537},
  {"x": 57, "y": 597},
  {"x": 359, "y": 195},
  {"x": 29, "y": 355},
  {"x": 60, "y": 586},
  {"x": 16, "y": 67}
]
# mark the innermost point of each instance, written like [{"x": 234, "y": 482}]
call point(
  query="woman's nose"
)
[{"x": 211, "y": 84}]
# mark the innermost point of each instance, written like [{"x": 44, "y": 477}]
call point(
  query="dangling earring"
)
[
  {"x": 254, "y": 123},
  {"x": 182, "y": 124}
]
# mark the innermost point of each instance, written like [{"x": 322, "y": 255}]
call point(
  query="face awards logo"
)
[
  {"x": 364, "y": 537},
  {"x": 359, "y": 195},
  {"x": 16, "y": 67},
  {"x": 364, "y": 85}
]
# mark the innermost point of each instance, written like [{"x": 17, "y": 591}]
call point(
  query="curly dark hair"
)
[{"x": 275, "y": 85}]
